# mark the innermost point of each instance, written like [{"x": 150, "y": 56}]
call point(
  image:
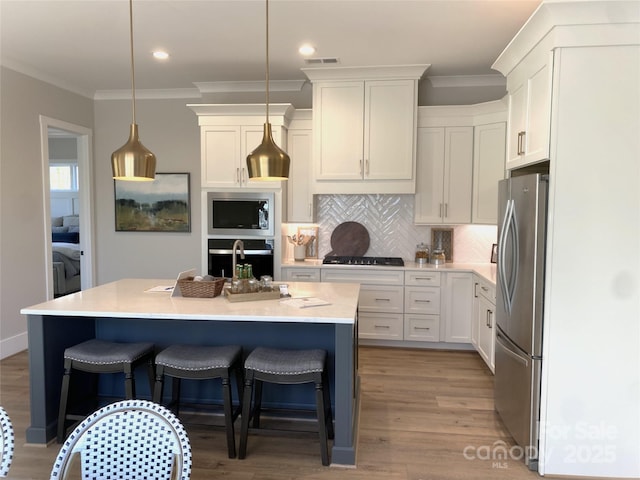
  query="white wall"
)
[
  {"x": 170, "y": 130},
  {"x": 22, "y": 216}
]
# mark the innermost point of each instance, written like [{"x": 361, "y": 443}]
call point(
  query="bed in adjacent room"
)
[{"x": 65, "y": 254}]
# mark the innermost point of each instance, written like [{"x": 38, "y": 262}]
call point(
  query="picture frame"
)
[
  {"x": 312, "y": 246},
  {"x": 163, "y": 205},
  {"x": 494, "y": 253}
]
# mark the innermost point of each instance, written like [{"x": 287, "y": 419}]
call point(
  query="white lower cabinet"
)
[
  {"x": 457, "y": 307},
  {"x": 422, "y": 306},
  {"x": 380, "y": 308},
  {"x": 422, "y": 328},
  {"x": 293, "y": 274},
  {"x": 380, "y": 326},
  {"x": 484, "y": 321},
  {"x": 413, "y": 305}
]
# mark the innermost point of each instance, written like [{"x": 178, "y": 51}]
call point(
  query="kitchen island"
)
[{"x": 128, "y": 311}]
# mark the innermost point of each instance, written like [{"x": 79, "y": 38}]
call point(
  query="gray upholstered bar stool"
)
[
  {"x": 287, "y": 367},
  {"x": 100, "y": 356},
  {"x": 203, "y": 362}
]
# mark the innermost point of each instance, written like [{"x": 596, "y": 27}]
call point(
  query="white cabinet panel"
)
[
  {"x": 456, "y": 314},
  {"x": 299, "y": 196},
  {"x": 293, "y": 274},
  {"x": 380, "y": 298},
  {"x": 364, "y": 130},
  {"x": 422, "y": 300},
  {"x": 529, "y": 127},
  {"x": 380, "y": 326},
  {"x": 423, "y": 279},
  {"x": 488, "y": 169},
  {"x": 444, "y": 175},
  {"x": 422, "y": 328},
  {"x": 338, "y": 109}
]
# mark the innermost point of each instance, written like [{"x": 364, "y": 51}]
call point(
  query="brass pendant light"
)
[
  {"x": 133, "y": 161},
  {"x": 268, "y": 161}
]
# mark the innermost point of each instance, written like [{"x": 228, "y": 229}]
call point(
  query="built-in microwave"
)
[{"x": 241, "y": 214}]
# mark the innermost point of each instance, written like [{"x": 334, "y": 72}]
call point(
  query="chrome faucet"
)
[{"x": 236, "y": 244}]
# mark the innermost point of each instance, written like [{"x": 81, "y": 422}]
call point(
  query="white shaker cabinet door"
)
[{"x": 338, "y": 130}]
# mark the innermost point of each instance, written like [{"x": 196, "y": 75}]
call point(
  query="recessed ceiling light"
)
[
  {"x": 307, "y": 49},
  {"x": 160, "y": 55}
]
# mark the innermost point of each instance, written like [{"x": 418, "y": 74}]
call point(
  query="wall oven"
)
[
  {"x": 241, "y": 214},
  {"x": 258, "y": 252}
]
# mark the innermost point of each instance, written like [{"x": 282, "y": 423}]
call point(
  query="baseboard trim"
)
[{"x": 11, "y": 346}]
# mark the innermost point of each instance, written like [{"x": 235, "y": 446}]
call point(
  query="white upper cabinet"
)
[
  {"x": 529, "y": 88},
  {"x": 228, "y": 133},
  {"x": 300, "y": 208},
  {"x": 444, "y": 175},
  {"x": 460, "y": 159},
  {"x": 364, "y": 126},
  {"x": 488, "y": 170}
]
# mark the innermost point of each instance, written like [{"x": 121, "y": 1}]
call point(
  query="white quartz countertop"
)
[
  {"x": 129, "y": 298},
  {"x": 485, "y": 270}
]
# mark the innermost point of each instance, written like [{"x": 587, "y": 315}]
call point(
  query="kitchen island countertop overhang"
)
[{"x": 126, "y": 311}]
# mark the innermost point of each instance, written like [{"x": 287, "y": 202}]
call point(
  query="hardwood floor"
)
[{"x": 425, "y": 415}]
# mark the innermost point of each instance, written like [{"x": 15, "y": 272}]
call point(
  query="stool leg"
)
[
  {"x": 246, "y": 415},
  {"x": 151, "y": 373},
  {"x": 129, "y": 383},
  {"x": 257, "y": 403},
  {"x": 159, "y": 385},
  {"x": 327, "y": 404},
  {"x": 322, "y": 427},
  {"x": 228, "y": 417},
  {"x": 175, "y": 394},
  {"x": 240, "y": 384},
  {"x": 64, "y": 396}
]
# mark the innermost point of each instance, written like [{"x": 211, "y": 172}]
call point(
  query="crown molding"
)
[
  {"x": 253, "y": 86},
  {"x": 381, "y": 72},
  {"x": 466, "y": 81},
  {"x": 148, "y": 94}
]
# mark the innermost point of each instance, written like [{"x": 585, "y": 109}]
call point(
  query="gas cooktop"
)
[{"x": 375, "y": 261}]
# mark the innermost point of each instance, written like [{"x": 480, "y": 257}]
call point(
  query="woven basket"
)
[{"x": 201, "y": 289}]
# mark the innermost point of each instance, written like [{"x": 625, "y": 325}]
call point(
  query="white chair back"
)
[{"x": 130, "y": 439}]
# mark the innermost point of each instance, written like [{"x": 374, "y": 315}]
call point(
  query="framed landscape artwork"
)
[{"x": 162, "y": 205}]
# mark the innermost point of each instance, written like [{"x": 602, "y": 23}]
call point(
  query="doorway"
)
[{"x": 78, "y": 210}]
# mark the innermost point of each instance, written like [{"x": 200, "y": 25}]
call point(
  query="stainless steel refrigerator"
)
[{"x": 522, "y": 216}]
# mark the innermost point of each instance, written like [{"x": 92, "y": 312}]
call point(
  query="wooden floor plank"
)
[{"x": 424, "y": 414}]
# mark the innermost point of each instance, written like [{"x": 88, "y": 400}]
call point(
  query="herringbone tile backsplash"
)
[{"x": 389, "y": 221}]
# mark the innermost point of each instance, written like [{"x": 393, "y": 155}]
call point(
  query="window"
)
[{"x": 63, "y": 177}]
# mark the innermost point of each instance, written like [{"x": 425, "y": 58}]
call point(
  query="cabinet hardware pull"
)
[
  {"x": 381, "y": 326},
  {"x": 421, "y": 328},
  {"x": 244, "y": 176},
  {"x": 423, "y": 301},
  {"x": 490, "y": 317},
  {"x": 521, "y": 137},
  {"x": 423, "y": 278},
  {"x": 446, "y": 210},
  {"x": 302, "y": 275},
  {"x": 485, "y": 288},
  {"x": 366, "y": 167},
  {"x": 361, "y": 169},
  {"x": 440, "y": 211},
  {"x": 475, "y": 290},
  {"x": 382, "y": 299},
  {"x": 237, "y": 175}
]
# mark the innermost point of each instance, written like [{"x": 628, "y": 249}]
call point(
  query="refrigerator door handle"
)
[{"x": 508, "y": 232}]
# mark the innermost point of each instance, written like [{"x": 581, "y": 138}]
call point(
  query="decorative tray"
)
[{"x": 249, "y": 297}]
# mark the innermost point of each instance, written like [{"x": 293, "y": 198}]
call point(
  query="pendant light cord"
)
[
  {"x": 267, "y": 56},
  {"x": 133, "y": 82}
]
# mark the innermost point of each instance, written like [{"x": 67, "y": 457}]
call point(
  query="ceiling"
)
[{"x": 83, "y": 45}]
